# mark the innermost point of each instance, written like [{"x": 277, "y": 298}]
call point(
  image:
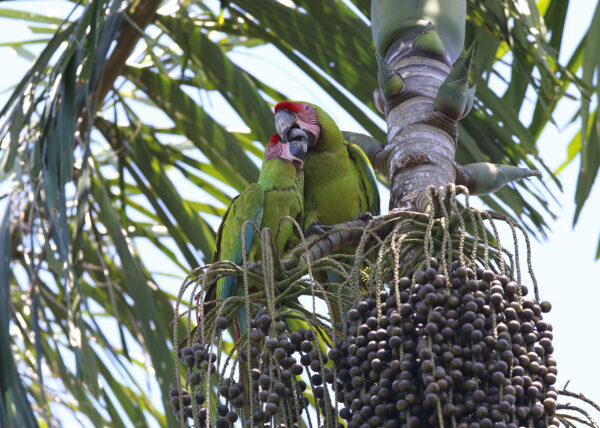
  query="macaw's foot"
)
[
  {"x": 396, "y": 211},
  {"x": 252, "y": 266},
  {"x": 364, "y": 216},
  {"x": 316, "y": 227}
]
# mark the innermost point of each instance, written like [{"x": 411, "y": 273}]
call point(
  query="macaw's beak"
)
[
  {"x": 284, "y": 120},
  {"x": 298, "y": 149},
  {"x": 288, "y": 128},
  {"x": 295, "y": 152}
]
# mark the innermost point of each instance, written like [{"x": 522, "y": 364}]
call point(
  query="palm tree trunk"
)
[
  {"x": 419, "y": 40},
  {"x": 421, "y": 143}
]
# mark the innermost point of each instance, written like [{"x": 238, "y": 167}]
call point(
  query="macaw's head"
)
[
  {"x": 293, "y": 151},
  {"x": 297, "y": 121}
]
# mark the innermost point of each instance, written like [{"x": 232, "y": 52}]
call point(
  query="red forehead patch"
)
[
  {"x": 274, "y": 139},
  {"x": 287, "y": 105}
]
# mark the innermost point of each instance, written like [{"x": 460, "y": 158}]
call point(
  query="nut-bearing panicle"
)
[
  {"x": 438, "y": 344},
  {"x": 464, "y": 353},
  {"x": 280, "y": 359}
]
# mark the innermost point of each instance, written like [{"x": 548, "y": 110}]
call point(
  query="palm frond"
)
[{"x": 112, "y": 151}]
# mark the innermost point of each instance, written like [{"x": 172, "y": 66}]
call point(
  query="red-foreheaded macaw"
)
[
  {"x": 339, "y": 182},
  {"x": 279, "y": 192}
]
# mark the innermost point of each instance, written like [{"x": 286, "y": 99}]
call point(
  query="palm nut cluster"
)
[{"x": 471, "y": 352}]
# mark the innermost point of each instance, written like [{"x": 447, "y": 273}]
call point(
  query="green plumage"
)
[
  {"x": 369, "y": 145},
  {"x": 278, "y": 193},
  {"x": 339, "y": 185},
  {"x": 339, "y": 180}
]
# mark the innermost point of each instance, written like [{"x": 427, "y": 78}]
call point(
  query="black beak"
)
[
  {"x": 298, "y": 149},
  {"x": 284, "y": 121},
  {"x": 288, "y": 130}
]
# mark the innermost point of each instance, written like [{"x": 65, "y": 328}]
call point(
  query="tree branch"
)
[
  {"x": 141, "y": 13},
  {"x": 579, "y": 396},
  {"x": 340, "y": 235}
]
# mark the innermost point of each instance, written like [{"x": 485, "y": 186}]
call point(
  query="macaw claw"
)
[
  {"x": 253, "y": 265},
  {"x": 366, "y": 216},
  {"x": 316, "y": 227}
]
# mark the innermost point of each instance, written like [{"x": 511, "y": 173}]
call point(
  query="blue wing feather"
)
[{"x": 229, "y": 287}]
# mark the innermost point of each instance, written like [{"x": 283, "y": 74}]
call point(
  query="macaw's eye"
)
[{"x": 306, "y": 107}]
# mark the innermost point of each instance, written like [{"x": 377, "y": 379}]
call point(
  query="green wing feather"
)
[
  {"x": 367, "y": 176},
  {"x": 248, "y": 205},
  {"x": 369, "y": 145}
]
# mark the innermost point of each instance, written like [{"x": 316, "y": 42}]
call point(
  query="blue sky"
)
[{"x": 563, "y": 264}]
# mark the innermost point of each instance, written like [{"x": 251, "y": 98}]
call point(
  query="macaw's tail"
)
[{"x": 240, "y": 323}]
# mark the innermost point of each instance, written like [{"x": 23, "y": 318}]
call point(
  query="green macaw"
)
[
  {"x": 279, "y": 192},
  {"x": 339, "y": 182}
]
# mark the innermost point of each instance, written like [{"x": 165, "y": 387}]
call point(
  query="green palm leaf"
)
[{"x": 85, "y": 196}]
